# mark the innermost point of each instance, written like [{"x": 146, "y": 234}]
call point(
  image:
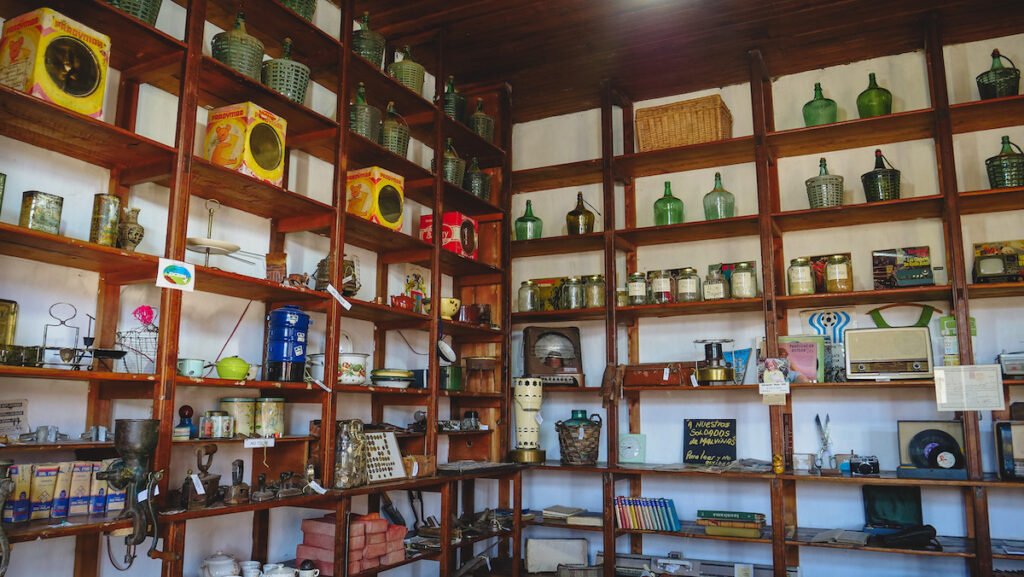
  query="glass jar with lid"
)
[
  {"x": 661, "y": 287},
  {"x": 621, "y": 297},
  {"x": 838, "y": 274},
  {"x": 529, "y": 297},
  {"x": 744, "y": 281},
  {"x": 715, "y": 287},
  {"x": 688, "y": 286},
  {"x": 636, "y": 288},
  {"x": 594, "y": 292},
  {"x": 800, "y": 276},
  {"x": 571, "y": 293}
]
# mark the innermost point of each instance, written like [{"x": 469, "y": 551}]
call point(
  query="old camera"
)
[{"x": 863, "y": 466}]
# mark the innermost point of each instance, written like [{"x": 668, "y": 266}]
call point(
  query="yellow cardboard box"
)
[
  {"x": 54, "y": 58},
  {"x": 247, "y": 138},
  {"x": 376, "y": 195}
]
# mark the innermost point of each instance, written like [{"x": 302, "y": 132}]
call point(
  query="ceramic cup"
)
[
  {"x": 251, "y": 573},
  {"x": 191, "y": 367},
  {"x": 449, "y": 307},
  {"x": 270, "y": 567},
  {"x": 309, "y": 573},
  {"x": 249, "y": 565}
]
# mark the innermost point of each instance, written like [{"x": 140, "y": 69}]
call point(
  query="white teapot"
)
[{"x": 219, "y": 565}]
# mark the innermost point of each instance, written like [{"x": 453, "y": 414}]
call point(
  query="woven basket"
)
[
  {"x": 478, "y": 183},
  {"x": 705, "y": 119},
  {"x": 454, "y": 106},
  {"x": 482, "y": 124},
  {"x": 407, "y": 72},
  {"x": 1000, "y": 82},
  {"x": 304, "y": 8},
  {"x": 1006, "y": 170},
  {"x": 287, "y": 76},
  {"x": 825, "y": 191},
  {"x": 368, "y": 43},
  {"x": 579, "y": 444},
  {"x": 145, "y": 10},
  {"x": 454, "y": 169}
]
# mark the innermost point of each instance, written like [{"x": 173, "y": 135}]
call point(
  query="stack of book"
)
[
  {"x": 731, "y": 523},
  {"x": 572, "y": 516},
  {"x": 646, "y": 514}
]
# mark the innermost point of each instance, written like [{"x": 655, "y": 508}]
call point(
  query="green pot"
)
[{"x": 232, "y": 368}]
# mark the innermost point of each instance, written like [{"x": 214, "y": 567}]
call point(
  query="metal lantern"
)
[
  {"x": 367, "y": 43},
  {"x": 454, "y": 103},
  {"x": 1006, "y": 169},
  {"x": 364, "y": 119},
  {"x": 999, "y": 81},
  {"x": 238, "y": 50},
  {"x": 824, "y": 190},
  {"x": 145, "y": 10},
  {"x": 481, "y": 123},
  {"x": 304, "y": 8},
  {"x": 881, "y": 183},
  {"x": 407, "y": 72},
  {"x": 287, "y": 76},
  {"x": 394, "y": 132},
  {"x": 454, "y": 167}
]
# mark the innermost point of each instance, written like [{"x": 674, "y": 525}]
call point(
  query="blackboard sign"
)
[{"x": 709, "y": 441}]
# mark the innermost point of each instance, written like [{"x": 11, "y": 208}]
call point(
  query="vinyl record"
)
[{"x": 935, "y": 449}]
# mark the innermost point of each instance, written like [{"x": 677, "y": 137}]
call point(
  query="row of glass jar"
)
[
  {"x": 835, "y": 270},
  {"x": 685, "y": 285},
  {"x": 572, "y": 293}
]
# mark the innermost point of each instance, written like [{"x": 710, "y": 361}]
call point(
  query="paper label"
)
[
  {"x": 773, "y": 388},
  {"x": 714, "y": 291},
  {"x": 661, "y": 285},
  {"x": 581, "y": 433},
  {"x": 743, "y": 570},
  {"x": 538, "y": 418},
  {"x": 687, "y": 285},
  {"x": 836, "y": 272},
  {"x": 258, "y": 443},
  {"x": 637, "y": 289},
  {"x": 485, "y": 427},
  {"x": 743, "y": 286},
  {"x": 197, "y": 484},
  {"x": 176, "y": 274},
  {"x": 144, "y": 494},
  {"x": 664, "y": 374},
  {"x": 415, "y": 468},
  {"x": 337, "y": 296},
  {"x": 693, "y": 380},
  {"x": 316, "y": 487},
  {"x": 969, "y": 388}
]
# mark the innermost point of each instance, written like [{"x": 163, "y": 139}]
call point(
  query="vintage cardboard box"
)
[
  {"x": 44, "y": 481},
  {"x": 376, "y": 195},
  {"x": 81, "y": 487},
  {"x": 247, "y": 138},
  {"x": 458, "y": 233}
]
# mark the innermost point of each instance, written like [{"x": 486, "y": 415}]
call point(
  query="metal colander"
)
[
  {"x": 407, "y": 72},
  {"x": 304, "y": 8},
  {"x": 287, "y": 76},
  {"x": 825, "y": 191},
  {"x": 145, "y": 10}
]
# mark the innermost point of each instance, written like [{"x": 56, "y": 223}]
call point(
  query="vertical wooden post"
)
[
  {"x": 447, "y": 558},
  {"x": 260, "y": 534},
  {"x": 174, "y": 542},
  {"x": 434, "y": 371},
  {"x": 87, "y": 552},
  {"x": 517, "y": 524},
  {"x": 341, "y": 510}
]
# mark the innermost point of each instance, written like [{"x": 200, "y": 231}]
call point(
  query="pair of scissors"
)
[{"x": 825, "y": 455}]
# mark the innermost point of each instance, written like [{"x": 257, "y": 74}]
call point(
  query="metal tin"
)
[
  {"x": 216, "y": 425},
  {"x": 243, "y": 411},
  {"x": 269, "y": 417},
  {"x": 41, "y": 211},
  {"x": 106, "y": 209}
]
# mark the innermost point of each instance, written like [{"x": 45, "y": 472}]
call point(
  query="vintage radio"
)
[
  {"x": 1001, "y": 261},
  {"x": 888, "y": 353},
  {"x": 1012, "y": 364},
  {"x": 553, "y": 355},
  {"x": 931, "y": 450},
  {"x": 902, "y": 267},
  {"x": 1010, "y": 456},
  {"x": 376, "y": 195},
  {"x": 56, "y": 59},
  {"x": 458, "y": 233},
  {"x": 248, "y": 139}
]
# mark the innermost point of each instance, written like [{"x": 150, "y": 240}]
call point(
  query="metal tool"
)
[
  {"x": 825, "y": 459},
  {"x": 390, "y": 511},
  {"x": 262, "y": 492},
  {"x": 238, "y": 492},
  {"x": 414, "y": 498}
]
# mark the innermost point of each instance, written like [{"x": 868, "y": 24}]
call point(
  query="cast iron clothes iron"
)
[
  {"x": 191, "y": 497},
  {"x": 238, "y": 492},
  {"x": 262, "y": 492}
]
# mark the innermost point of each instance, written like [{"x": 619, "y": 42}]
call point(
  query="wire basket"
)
[
  {"x": 478, "y": 183},
  {"x": 882, "y": 183},
  {"x": 140, "y": 342},
  {"x": 407, "y": 72},
  {"x": 1006, "y": 170},
  {"x": 579, "y": 444},
  {"x": 454, "y": 105},
  {"x": 999, "y": 82},
  {"x": 579, "y": 571},
  {"x": 482, "y": 124},
  {"x": 825, "y": 191},
  {"x": 287, "y": 76},
  {"x": 304, "y": 8},
  {"x": 145, "y": 10},
  {"x": 705, "y": 119}
]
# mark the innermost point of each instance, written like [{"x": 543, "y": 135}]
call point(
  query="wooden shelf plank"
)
[
  {"x": 995, "y": 290},
  {"x": 470, "y": 332},
  {"x": 421, "y": 556},
  {"x": 304, "y": 501},
  {"x": 679, "y": 470},
  {"x": 472, "y": 394},
  {"x": 455, "y": 265},
  {"x": 559, "y": 316},
  {"x": 240, "y": 440},
  {"x": 885, "y": 478},
  {"x": 460, "y": 199},
  {"x": 370, "y": 389},
  {"x": 857, "y": 214},
  {"x": 213, "y": 280},
  {"x": 183, "y": 381},
  {"x": 897, "y": 127},
  {"x": 868, "y": 297},
  {"x": 32, "y": 121},
  {"x": 21, "y": 242},
  {"x": 951, "y": 546},
  {"x": 688, "y": 388},
  {"x": 380, "y": 239},
  {"x": 555, "y": 389},
  {"x": 987, "y": 114},
  {"x": 691, "y": 231},
  {"x": 70, "y": 445},
  {"x": 570, "y": 244},
  {"x": 53, "y": 528},
  {"x": 379, "y": 313},
  {"x": 994, "y": 200},
  {"x": 363, "y": 153},
  {"x": 538, "y": 521},
  {"x": 629, "y": 313},
  {"x": 599, "y": 467},
  {"x": 927, "y": 384},
  {"x": 567, "y": 175},
  {"x": 685, "y": 158},
  {"x": 469, "y": 144}
]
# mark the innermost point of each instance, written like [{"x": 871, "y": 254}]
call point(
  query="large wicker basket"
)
[
  {"x": 694, "y": 121},
  {"x": 579, "y": 443}
]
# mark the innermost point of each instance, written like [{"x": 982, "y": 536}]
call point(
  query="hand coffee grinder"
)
[
  {"x": 6, "y": 488},
  {"x": 135, "y": 441}
]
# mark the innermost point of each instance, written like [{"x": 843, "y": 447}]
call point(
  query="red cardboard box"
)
[
  {"x": 319, "y": 540},
  {"x": 393, "y": 557},
  {"x": 375, "y": 538},
  {"x": 373, "y": 551},
  {"x": 314, "y": 554},
  {"x": 396, "y": 533},
  {"x": 370, "y": 563},
  {"x": 322, "y": 525},
  {"x": 459, "y": 233},
  {"x": 395, "y": 546}
]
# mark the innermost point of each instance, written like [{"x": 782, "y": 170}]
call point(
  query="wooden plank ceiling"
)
[{"x": 555, "y": 53}]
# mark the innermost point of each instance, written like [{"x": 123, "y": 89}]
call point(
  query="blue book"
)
[
  {"x": 663, "y": 511},
  {"x": 676, "y": 524}
]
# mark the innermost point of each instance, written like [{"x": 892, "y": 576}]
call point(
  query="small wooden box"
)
[{"x": 247, "y": 138}]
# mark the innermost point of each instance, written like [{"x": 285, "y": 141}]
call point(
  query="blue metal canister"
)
[{"x": 286, "y": 344}]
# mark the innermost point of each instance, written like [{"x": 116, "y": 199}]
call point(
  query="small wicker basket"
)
[
  {"x": 705, "y": 119},
  {"x": 304, "y": 8},
  {"x": 364, "y": 120},
  {"x": 238, "y": 50},
  {"x": 477, "y": 182},
  {"x": 481, "y": 123},
  {"x": 579, "y": 444},
  {"x": 454, "y": 104},
  {"x": 145, "y": 10},
  {"x": 881, "y": 183},
  {"x": 368, "y": 43},
  {"x": 999, "y": 82},
  {"x": 454, "y": 169}
]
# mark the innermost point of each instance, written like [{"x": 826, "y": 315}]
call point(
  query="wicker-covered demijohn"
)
[
  {"x": 287, "y": 76},
  {"x": 408, "y": 72},
  {"x": 882, "y": 183},
  {"x": 145, "y": 10},
  {"x": 1006, "y": 169},
  {"x": 579, "y": 439},
  {"x": 238, "y": 50},
  {"x": 824, "y": 190},
  {"x": 304, "y": 8}
]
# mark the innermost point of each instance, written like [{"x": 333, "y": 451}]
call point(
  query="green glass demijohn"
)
[
  {"x": 668, "y": 209},
  {"x": 529, "y": 227},
  {"x": 408, "y": 72},
  {"x": 477, "y": 181},
  {"x": 238, "y": 50},
  {"x": 364, "y": 119},
  {"x": 285, "y": 75},
  {"x": 719, "y": 203},
  {"x": 999, "y": 81},
  {"x": 882, "y": 183},
  {"x": 820, "y": 110},
  {"x": 454, "y": 103},
  {"x": 394, "y": 132},
  {"x": 875, "y": 100},
  {"x": 304, "y": 8},
  {"x": 145, "y": 10},
  {"x": 1006, "y": 169},
  {"x": 578, "y": 419},
  {"x": 579, "y": 220},
  {"x": 481, "y": 123},
  {"x": 454, "y": 167},
  {"x": 368, "y": 43}
]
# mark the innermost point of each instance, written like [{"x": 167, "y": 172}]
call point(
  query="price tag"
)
[
  {"x": 664, "y": 374},
  {"x": 693, "y": 380},
  {"x": 485, "y": 427},
  {"x": 539, "y": 419},
  {"x": 580, "y": 435},
  {"x": 743, "y": 570},
  {"x": 144, "y": 494},
  {"x": 415, "y": 468},
  {"x": 773, "y": 400},
  {"x": 773, "y": 388},
  {"x": 258, "y": 443},
  {"x": 197, "y": 484},
  {"x": 337, "y": 296},
  {"x": 316, "y": 487}
]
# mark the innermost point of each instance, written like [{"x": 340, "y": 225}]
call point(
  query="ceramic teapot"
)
[{"x": 219, "y": 565}]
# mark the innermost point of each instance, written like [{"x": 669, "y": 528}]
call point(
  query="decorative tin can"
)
[
  {"x": 269, "y": 417},
  {"x": 305, "y": 8},
  {"x": 238, "y": 50},
  {"x": 1006, "y": 169},
  {"x": 481, "y": 123},
  {"x": 394, "y": 132},
  {"x": 145, "y": 10},
  {"x": 247, "y": 138},
  {"x": 376, "y": 195},
  {"x": 41, "y": 211},
  {"x": 407, "y": 72},
  {"x": 285, "y": 75},
  {"x": 243, "y": 411},
  {"x": 999, "y": 80},
  {"x": 106, "y": 209},
  {"x": 351, "y": 455},
  {"x": 216, "y": 425},
  {"x": 286, "y": 344},
  {"x": 881, "y": 183},
  {"x": 367, "y": 43}
]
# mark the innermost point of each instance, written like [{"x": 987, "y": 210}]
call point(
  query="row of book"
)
[
  {"x": 646, "y": 514},
  {"x": 731, "y": 523}
]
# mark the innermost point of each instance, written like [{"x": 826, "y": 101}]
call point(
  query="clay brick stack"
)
[{"x": 373, "y": 542}]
